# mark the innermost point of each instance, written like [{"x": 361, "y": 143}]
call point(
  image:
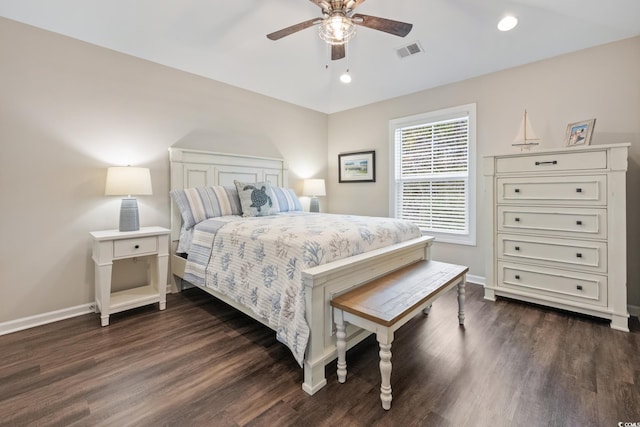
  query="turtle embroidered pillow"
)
[{"x": 256, "y": 198}]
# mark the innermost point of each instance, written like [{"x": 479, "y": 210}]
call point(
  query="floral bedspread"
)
[{"x": 258, "y": 261}]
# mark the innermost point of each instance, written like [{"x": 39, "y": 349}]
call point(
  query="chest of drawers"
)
[{"x": 558, "y": 229}]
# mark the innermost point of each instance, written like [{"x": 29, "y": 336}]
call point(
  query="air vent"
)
[{"x": 410, "y": 49}]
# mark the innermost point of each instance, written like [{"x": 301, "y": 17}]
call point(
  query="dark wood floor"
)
[{"x": 201, "y": 363}]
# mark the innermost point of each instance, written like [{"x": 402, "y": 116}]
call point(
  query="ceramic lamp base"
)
[
  {"x": 314, "y": 205},
  {"x": 129, "y": 215}
]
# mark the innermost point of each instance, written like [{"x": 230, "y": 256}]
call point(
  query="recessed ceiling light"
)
[
  {"x": 507, "y": 23},
  {"x": 345, "y": 77}
]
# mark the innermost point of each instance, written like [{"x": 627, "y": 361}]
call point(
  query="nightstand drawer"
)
[
  {"x": 133, "y": 247},
  {"x": 545, "y": 163},
  {"x": 565, "y": 285}
]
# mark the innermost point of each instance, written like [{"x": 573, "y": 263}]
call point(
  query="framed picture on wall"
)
[
  {"x": 357, "y": 167},
  {"x": 579, "y": 133}
]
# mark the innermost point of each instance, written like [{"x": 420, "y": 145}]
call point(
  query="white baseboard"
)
[
  {"x": 478, "y": 280},
  {"x": 79, "y": 310},
  {"x": 43, "y": 319}
]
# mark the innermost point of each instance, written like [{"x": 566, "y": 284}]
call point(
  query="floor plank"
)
[{"x": 201, "y": 363}]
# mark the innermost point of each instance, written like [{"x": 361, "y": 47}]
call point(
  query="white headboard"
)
[{"x": 194, "y": 168}]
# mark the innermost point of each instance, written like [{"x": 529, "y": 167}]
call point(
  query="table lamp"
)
[
  {"x": 314, "y": 188},
  {"x": 128, "y": 181}
]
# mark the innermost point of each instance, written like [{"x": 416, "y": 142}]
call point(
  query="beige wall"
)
[
  {"x": 601, "y": 82},
  {"x": 68, "y": 110}
]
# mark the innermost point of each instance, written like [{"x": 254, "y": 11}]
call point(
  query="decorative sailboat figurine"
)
[{"x": 526, "y": 136}]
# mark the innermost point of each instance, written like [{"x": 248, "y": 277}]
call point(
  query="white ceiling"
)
[{"x": 226, "y": 40}]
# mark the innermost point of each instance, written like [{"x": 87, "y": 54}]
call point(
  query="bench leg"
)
[
  {"x": 461, "y": 290},
  {"x": 341, "y": 346},
  {"x": 385, "y": 375}
]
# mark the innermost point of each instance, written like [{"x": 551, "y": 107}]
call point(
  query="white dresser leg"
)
[
  {"x": 341, "y": 346},
  {"x": 385, "y": 374},
  {"x": 426, "y": 310},
  {"x": 461, "y": 291}
]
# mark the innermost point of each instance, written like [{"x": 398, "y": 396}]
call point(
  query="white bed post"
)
[{"x": 314, "y": 361}]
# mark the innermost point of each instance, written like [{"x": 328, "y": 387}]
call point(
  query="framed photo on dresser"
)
[{"x": 579, "y": 133}]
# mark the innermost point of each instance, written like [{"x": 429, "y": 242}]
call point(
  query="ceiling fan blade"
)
[
  {"x": 396, "y": 28},
  {"x": 293, "y": 29},
  {"x": 337, "y": 51}
]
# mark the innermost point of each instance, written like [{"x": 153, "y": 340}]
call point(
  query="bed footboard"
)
[{"x": 324, "y": 282}]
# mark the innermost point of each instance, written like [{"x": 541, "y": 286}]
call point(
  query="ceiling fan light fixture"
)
[{"x": 337, "y": 29}]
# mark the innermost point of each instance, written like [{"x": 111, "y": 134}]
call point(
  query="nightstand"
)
[{"x": 111, "y": 245}]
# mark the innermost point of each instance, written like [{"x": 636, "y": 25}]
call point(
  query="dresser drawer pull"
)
[
  {"x": 578, "y": 222},
  {"x": 136, "y": 247},
  {"x": 517, "y": 277},
  {"x": 579, "y": 287},
  {"x": 517, "y": 219},
  {"x": 579, "y": 255},
  {"x": 517, "y": 190},
  {"x": 517, "y": 248},
  {"x": 578, "y": 190},
  {"x": 553, "y": 162}
]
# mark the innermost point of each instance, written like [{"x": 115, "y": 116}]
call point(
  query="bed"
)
[{"x": 318, "y": 284}]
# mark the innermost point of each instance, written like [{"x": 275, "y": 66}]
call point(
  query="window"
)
[{"x": 433, "y": 173}]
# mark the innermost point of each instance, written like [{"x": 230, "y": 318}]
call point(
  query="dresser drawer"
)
[
  {"x": 555, "y": 221},
  {"x": 576, "y": 190},
  {"x": 550, "y": 162},
  {"x": 565, "y": 285},
  {"x": 563, "y": 253},
  {"x": 133, "y": 247}
]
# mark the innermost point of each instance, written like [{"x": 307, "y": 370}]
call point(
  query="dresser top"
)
[{"x": 572, "y": 149}]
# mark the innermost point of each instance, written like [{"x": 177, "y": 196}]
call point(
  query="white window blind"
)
[{"x": 432, "y": 165}]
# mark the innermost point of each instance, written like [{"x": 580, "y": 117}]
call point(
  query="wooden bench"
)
[{"x": 385, "y": 304}]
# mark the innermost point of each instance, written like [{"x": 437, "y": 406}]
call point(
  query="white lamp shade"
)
[
  {"x": 128, "y": 181},
  {"x": 313, "y": 187}
]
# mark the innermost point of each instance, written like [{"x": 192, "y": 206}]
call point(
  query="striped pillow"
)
[
  {"x": 198, "y": 204},
  {"x": 285, "y": 200}
]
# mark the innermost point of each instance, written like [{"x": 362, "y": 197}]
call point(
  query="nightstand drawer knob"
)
[
  {"x": 517, "y": 190},
  {"x": 578, "y": 190},
  {"x": 517, "y": 277},
  {"x": 136, "y": 247},
  {"x": 579, "y": 255},
  {"x": 517, "y": 248},
  {"x": 578, "y": 222},
  {"x": 579, "y": 287},
  {"x": 517, "y": 219}
]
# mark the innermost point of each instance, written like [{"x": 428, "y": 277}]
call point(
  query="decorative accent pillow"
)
[
  {"x": 256, "y": 198},
  {"x": 198, "y": 204},
  {"x": 285, "y": 200}
]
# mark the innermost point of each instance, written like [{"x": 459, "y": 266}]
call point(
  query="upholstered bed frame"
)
[{"x": 192, "y": 168}]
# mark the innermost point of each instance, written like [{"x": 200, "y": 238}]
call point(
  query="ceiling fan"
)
[{"x": 338, "y": 24}]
